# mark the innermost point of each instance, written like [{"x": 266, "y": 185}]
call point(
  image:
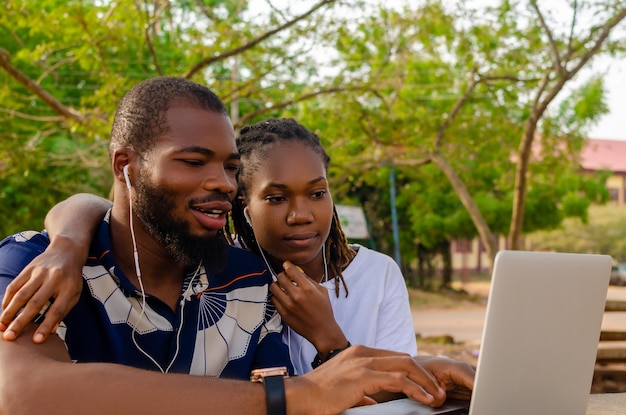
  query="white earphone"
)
[
  {"x": 143, "y": 293},
  {"x": 126, "y": 177},
  {"x": 247, "y": 216}
]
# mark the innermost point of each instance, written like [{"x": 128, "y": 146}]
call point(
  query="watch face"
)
[{"x": 257, "y": 375}]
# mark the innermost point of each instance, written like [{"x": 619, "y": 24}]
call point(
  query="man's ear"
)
[{"x": 120, "y": 160}]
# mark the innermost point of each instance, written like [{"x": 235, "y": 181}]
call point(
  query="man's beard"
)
[{"x": 155, "y": 207}]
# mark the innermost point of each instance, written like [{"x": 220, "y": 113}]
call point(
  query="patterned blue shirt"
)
[{"x": 224, "y": 325}]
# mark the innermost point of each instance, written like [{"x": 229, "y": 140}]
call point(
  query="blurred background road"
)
[{"x": 465, "y": 322}]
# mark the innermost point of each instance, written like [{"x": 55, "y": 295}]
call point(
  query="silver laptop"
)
[{"x": 540, "y": 338}]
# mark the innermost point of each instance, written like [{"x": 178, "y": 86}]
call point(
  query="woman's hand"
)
[
  {"x": 305, "y": 307},
  {"x": 55, "y": 275}
]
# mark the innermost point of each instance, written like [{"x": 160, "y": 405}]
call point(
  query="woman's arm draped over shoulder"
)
[{"x": 56, "y": 273}]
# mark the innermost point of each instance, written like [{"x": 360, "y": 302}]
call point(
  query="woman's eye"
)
[
  {"x": 319, "y": 194},
  {"x": 193, "y": 162},
  {"x": 275, "y": 199}
]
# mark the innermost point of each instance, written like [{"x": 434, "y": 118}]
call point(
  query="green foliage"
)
[
  {"x": 95, "y": 53},
  {"x": 376, "y": 82},
  {"x": 603, "y": 233},
  {"x": 579, "y": 110},
  {"x": 411, "y": 75}
]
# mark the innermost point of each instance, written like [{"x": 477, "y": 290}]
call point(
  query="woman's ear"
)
[{"x": 247, "y": 216}]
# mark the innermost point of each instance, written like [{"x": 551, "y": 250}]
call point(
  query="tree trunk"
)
[
  {"x": 487, "y": 237},
  {"x": 424, "y": 277},
  {"x": 519, "y": 193},
  {"x": 446, "y": 256}
]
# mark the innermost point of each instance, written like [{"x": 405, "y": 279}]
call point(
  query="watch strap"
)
[
  {"x": 318, "y": 359},
  {"x": 275, "y": 395}
]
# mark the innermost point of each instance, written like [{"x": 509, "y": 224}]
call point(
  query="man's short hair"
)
[{"x": 140, "y": 116}]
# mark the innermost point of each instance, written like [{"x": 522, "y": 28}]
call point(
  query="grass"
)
[
  {"x": 447, "y": 299},
  {"x": 421, "y": 299}
]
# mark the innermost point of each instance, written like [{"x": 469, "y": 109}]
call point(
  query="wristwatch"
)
[
  {"x": 273, "y": 379},
  {"x": 318, "y": 358}
]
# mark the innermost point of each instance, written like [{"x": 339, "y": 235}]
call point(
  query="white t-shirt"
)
[{"x": 375, "y": 313}]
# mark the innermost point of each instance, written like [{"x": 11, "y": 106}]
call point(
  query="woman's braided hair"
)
[{"x": 253, "y": 144}]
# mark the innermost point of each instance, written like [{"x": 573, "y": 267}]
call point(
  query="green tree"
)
[
  {"x": 65, "y": 65},
  {"x": 469, "y": 91},
  {"x": 452, "y": 98}
]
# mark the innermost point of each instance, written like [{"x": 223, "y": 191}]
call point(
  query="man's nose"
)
[{"x": 220, "y": 180}]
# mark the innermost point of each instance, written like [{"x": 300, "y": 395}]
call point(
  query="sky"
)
[{"x": 613, "y": 125}]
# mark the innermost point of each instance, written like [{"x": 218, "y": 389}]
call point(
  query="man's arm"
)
[
  {"x": 56, "y": 273},
  {"x": 454, "y": 376},
  {"x": 40, "y": 379}
]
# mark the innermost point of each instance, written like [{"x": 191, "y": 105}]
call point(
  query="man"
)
[{"x": 157, "y": 295}]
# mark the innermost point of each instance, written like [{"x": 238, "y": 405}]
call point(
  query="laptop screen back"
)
[{"x": 541, "y": 333}]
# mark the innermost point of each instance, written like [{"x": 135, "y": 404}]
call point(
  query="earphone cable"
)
[
  {"x": 267, "y": 264},
  {"x": 142, "y": 314}
]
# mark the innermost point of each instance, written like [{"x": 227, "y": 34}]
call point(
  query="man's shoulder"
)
[
  {"x": 17, "y": 251},
  {"x": 23, "y": 244},
  {"x": 239, "y": 254},
  {"x": 244, "y": 268},
  {"x": 27, "y": 237}
]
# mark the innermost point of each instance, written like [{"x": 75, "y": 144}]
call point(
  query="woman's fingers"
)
[
  {"x": 54, "y": 315},
  {"x": 16, "y": 299}
]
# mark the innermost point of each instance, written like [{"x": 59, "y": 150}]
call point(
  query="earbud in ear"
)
[
  {"x": 247, "y": 216},
  {"x": 126, "y": 177}
]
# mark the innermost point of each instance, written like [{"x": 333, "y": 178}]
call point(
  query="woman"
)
[{"x": 285, "y": 213}]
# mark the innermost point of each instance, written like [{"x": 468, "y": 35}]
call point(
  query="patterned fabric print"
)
[
  {"x": 273, "y": 322},
  {"x": 25, "y": 236},
  {"x": 119, "y": 308},
  {"x": 224, "y": 329}
]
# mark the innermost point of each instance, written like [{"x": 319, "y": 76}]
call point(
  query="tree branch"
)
[
  {"x": 150, "y": 27},
  {"x": 538, "y": 108},
  {"x": 570, "y": 40},
  {"x": 456, "y": 108},
  {"x": 53, "y": 68},
  {"x": 556, "y": 59},
  {"x": 56, "y": 105},
  {"x": 413, "y": 162},
  {"x": 219, "y": 57},
  {"x": 488, "y": 238},
  {"x": 512, "y": 78},
  {"x": 206, "y": 11},
  {"x": 243, "y": 120},
  {"x": 367, "y": 127},
  {"x": 18, "y": 114},
  {"x": 605, "y": 30}
]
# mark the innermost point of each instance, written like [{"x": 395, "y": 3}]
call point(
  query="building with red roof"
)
[{"x": 607, "y": 155}]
